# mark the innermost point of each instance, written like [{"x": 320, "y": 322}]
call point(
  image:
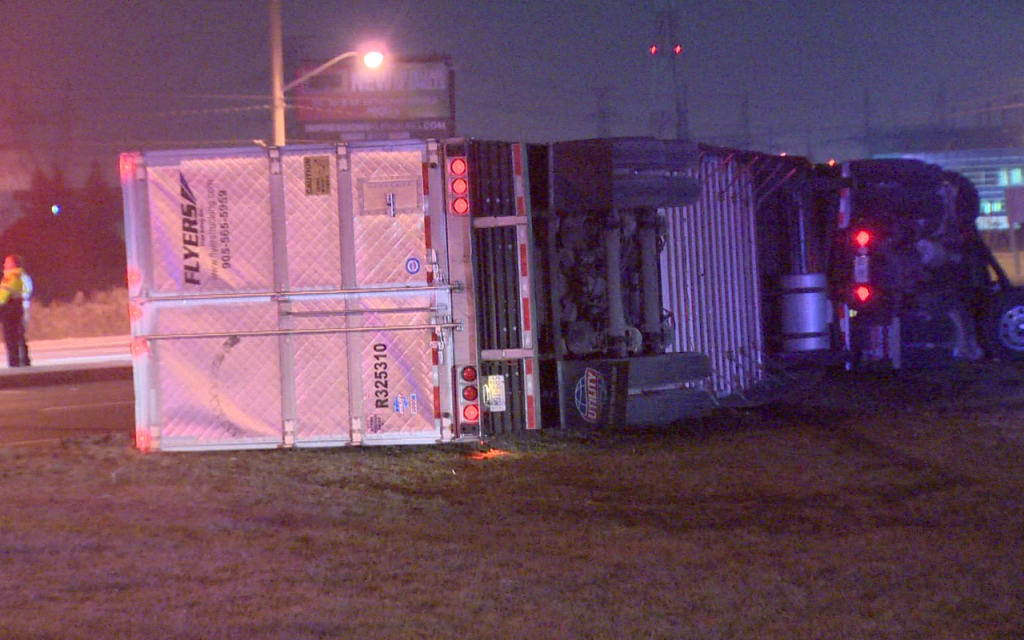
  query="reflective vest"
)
[{"x": 11, "y": 286}]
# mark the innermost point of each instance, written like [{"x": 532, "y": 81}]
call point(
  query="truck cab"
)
[{"x": 913, "y": 282}]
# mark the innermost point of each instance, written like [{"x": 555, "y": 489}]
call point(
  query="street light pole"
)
[
  {"x": 372, "y": 59},
  {"x": 277, "y": 71},
  {"x": 306, "y": 76}
]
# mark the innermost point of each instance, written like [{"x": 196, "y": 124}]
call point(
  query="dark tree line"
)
[{"x": 78, "y": 247}]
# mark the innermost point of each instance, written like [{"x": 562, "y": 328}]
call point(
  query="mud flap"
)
[{"x": 593, "y": 393}]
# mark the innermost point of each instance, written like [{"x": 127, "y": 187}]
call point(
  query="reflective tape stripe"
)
[
  {"x": 435, "y": 360},
  {"x": 517, "y": 179},
  {"x": 531, "y": 398}
]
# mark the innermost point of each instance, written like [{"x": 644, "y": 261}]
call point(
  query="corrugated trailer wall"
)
[{"x": 710, "y": 280}]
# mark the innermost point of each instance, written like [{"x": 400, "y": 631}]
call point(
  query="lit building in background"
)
[
  {"x": 990, "y": 156},
  {"x": 991, "y": 171}
]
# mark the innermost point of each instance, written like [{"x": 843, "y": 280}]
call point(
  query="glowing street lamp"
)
[{"x": 373, "y": 58}]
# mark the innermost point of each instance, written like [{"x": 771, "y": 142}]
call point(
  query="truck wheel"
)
[{"x": 1007, "y": 326}]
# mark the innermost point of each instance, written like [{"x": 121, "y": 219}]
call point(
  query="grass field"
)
[
  {"x": 880, "y": 507},
  {"x": 103, "y": 314}
]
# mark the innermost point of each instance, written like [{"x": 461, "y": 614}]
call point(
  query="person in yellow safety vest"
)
[
  {"x": 26, "y": 296},
  {"x": 12, "y": 312}
]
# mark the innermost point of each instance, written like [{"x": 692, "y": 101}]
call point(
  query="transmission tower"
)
[
  {"x": 670, "y": 112},
  {"x": 603, "y": 113}
]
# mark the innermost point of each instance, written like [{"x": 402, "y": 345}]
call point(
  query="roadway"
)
[{"x": 75, "y": 388}]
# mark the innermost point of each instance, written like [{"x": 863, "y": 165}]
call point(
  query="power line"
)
[{"x": 159, "y": 115}]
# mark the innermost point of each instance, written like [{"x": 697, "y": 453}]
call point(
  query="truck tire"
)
[{"x": 1006, "y": 328}]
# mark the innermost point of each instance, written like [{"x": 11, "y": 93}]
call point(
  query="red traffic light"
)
[
  {"x": 862, "y": 238},
  {"x": 862, "y": 293}
]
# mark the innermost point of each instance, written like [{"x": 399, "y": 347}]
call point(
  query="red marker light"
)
[
  {"x": 654, "y": 49},
  {"x": 458, "y": 186},
  {"x": 127, "y": 167},
  {"x": 471, "y": 413},
  {"x": 139, "y": 347},
  {"x": 862, "y": 293},
  {"x": 469, "y": 374},
  {"x": 143, "y": 441},
  {"x": 862, "y": 238},
  {"x": 470, "y": 393},
  {"x": 678, "y": 49}
]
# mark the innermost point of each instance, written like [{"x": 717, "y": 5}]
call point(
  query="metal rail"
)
[
  {"x": 279, "y": 295},
  {"x": 292, "y": 332}
]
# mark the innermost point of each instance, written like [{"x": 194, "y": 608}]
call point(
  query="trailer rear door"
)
[{"x": 287, "y": 298}]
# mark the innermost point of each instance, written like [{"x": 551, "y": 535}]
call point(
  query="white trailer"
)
[{"x": 307, "y": 296}]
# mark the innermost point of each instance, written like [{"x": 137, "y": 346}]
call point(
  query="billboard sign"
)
[{"x": 405, "y": 98}]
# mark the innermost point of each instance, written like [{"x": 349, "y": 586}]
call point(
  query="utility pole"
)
[
  {"x": 867, "y": 112},
  {"x": 666, "y": 51},
  {"x": 603, "y": 113},
  {"x": 940, "y": 105},
  {"x": 745, "y": 119}
]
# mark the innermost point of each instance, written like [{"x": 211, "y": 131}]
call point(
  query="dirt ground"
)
[{"x": 882, "y": 506}]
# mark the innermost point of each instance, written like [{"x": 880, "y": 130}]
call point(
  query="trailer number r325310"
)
[{"x": 380, "y": 375}]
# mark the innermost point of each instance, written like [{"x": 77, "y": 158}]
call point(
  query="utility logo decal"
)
[{"x": 591, "y": 395}]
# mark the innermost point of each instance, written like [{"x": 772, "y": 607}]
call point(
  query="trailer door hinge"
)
[
  {"x": 341, "y": 153},
  {"x": 357, "y": 431},
  {"x": 289, "y": 433}
]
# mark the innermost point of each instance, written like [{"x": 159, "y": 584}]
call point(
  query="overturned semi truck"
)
[{"x": 419, "y": 292}]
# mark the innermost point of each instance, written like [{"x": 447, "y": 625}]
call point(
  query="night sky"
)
[{"x": 84, "y": 79}]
